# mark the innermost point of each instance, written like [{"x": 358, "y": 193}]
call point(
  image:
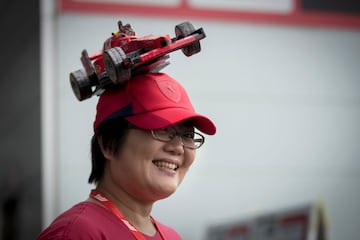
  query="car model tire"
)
[
  {"x": 81, "y": 84},
  {"x": 183, "y": 30},
  {"x": 113, "y": 59}
]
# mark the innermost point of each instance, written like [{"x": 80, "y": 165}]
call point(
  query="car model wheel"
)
[
  {"x": 113, "y": 59},
  {"x": 183, "y": 30},
  {"x": 81, "y": 85}
]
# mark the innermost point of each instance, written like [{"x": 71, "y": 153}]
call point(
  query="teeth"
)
[{"x": 161, "y": 164}]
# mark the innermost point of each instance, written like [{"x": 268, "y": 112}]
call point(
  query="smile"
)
[{"x": 162, "y": 164}]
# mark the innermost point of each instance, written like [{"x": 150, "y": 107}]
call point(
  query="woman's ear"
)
[{"x": 105, "y": 150}]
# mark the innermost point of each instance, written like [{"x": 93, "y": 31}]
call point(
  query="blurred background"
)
[
  {"x": 280, "y": 79},
  {"x": 20, "y": 125}
]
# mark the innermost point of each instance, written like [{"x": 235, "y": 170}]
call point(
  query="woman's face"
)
[{"x": 149, "y": 169}]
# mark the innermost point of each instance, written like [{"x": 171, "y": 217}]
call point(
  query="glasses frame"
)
[{"x": 201, "y": 140}]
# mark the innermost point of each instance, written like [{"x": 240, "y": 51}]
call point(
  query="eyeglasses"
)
[{"x": 189, "y": 139}]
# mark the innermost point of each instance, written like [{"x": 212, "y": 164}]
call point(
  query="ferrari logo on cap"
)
[{"x": 169, "y": 89}]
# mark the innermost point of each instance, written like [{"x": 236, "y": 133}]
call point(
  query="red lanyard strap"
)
[{"x": 101, "y": 198}]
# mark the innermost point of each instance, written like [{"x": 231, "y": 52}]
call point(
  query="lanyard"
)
[{"x": 101, "y": 198}]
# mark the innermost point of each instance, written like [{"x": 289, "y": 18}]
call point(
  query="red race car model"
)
[{"x": 125, "y": 55}]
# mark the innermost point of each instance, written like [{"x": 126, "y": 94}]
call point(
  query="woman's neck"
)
[{"x": 135, "y": 211}]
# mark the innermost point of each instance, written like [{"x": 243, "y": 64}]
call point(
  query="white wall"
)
[{"x": 286, "y": 103}]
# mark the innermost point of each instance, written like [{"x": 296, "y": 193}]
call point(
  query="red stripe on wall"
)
[{"x": 297, "y": 17}]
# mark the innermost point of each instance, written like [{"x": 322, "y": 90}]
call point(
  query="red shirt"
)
[{"x": 89, "y": 221}]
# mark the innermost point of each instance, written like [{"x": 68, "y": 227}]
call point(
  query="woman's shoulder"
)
[{"x": 85, "y": 220}]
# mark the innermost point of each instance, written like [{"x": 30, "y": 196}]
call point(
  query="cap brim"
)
[{"x": 170, "y": 116}]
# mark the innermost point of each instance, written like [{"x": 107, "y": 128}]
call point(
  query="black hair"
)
[{"x": 112, "y": 135}]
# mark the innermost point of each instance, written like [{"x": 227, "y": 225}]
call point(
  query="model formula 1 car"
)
[{"x": 125, "y": 55}]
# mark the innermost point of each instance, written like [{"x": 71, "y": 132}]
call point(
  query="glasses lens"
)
[
  {"x": 164, "y": 134},
  {"x": 190, "y": 139}
]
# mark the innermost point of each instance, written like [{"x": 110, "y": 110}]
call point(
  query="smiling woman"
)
[{"x": 144, "y": 142}]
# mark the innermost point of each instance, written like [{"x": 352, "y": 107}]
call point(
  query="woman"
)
[{"x": 145, "y": 140}]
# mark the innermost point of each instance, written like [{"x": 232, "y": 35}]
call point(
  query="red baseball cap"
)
[{"x": 151, "y": 101}]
